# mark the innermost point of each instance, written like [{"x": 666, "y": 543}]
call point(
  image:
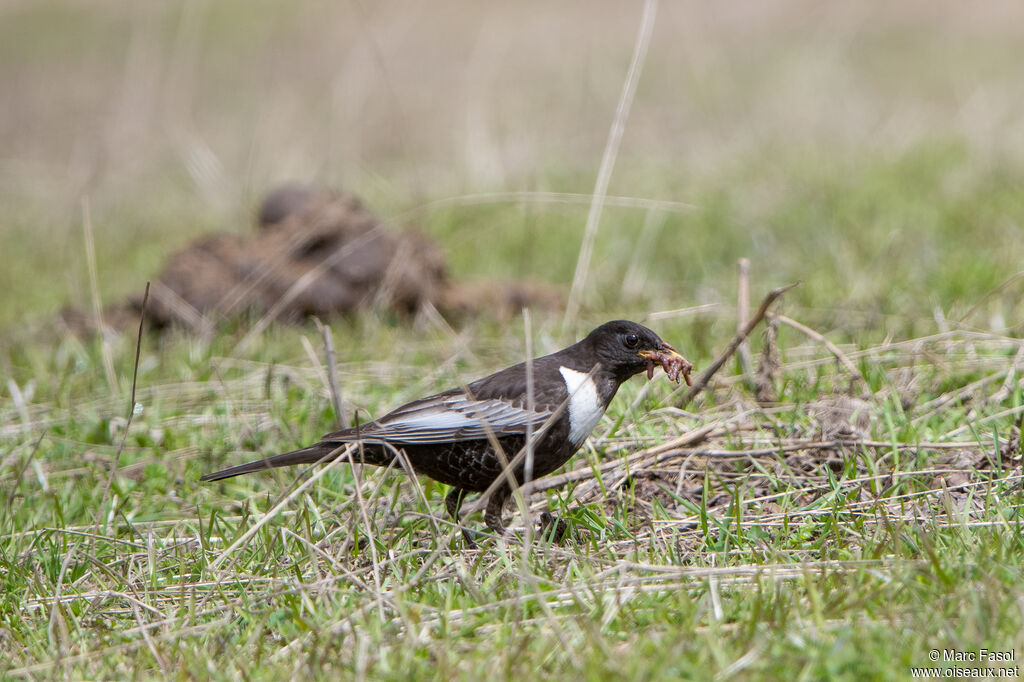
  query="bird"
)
[{"x": 465, "y": 437}]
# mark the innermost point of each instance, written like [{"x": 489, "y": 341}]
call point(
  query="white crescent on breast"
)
[{"x": 585, "y": 407}]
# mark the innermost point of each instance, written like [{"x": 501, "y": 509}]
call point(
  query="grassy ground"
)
[{"x": 860, "y": 512}]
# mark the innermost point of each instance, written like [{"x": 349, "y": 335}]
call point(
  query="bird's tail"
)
[{"x": 310, "y": 455}]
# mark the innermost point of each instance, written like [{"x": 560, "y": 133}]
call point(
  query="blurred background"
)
[{"x": 873, "y": 150}]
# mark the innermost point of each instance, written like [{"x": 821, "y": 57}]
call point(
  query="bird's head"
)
[{"x": 627, "y": 348}]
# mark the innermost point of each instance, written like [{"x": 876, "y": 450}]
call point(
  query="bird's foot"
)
[
  {"x": 552, "y": 528},
  {"x": 470, "y": 538}
]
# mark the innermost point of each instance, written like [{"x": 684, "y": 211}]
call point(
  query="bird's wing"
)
[{"x": 447, "y": 418}]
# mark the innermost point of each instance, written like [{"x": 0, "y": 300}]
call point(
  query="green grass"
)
[
  {"x": 792, "y": 561},
  {"x": 874, "y": 159}
]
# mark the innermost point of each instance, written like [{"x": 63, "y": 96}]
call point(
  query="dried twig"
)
[{"x": 702, "y": 381}]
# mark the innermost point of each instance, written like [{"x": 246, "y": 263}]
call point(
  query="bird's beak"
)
[{"x": 670, "y": 360}]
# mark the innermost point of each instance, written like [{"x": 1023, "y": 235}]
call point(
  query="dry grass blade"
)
[
  {"x": 341, "y": 417},
  {"x": 641, "y": 203},
  {"x": 705, "y": 541},
  {"x": 680, "y": 312},
  {"x": 94, "y": 295},
  {"x": 742, "y": 312},
  {"x": 611, "y": 151}
]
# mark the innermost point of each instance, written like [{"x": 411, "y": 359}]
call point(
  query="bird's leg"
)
[
  {"x": 452, "y": 502},
  {"x": 492, "y": 515}
]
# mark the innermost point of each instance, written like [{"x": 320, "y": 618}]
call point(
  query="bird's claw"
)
[
  {"x": 552, "y": 527},
  {"x": 468, "y": 536}
]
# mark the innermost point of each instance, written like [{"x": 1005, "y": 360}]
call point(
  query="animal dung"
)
[{"x": 315, "y": 252}]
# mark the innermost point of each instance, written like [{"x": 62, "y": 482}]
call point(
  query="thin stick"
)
[
  {"x": 742, "y": 311},
  {"x": 705, "y": 377},
  {"x": 28, "y": 461},
  {"x": 832, "y": 348},
  {"x": 332, "y": 374},
  {"x": 94, "y": 293},
  {"x": 131, "y": 409},
  {"x": 611, "y": 151},
  {"x": 526, "y": 577}
]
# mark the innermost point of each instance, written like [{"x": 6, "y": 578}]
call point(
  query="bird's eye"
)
[{"x": 631, "y": 340}]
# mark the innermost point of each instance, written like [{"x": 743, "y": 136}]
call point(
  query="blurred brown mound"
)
[{"x": 315, "y": 253}]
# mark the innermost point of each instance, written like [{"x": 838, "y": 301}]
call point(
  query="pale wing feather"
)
[{"x": 452, "y": 419}]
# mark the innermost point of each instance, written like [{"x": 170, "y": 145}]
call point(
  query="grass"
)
[
  {"x": 842, "y": 530},
  {"x": 769, "y": 548}
]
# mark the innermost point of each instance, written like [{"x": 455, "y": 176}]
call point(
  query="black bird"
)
[{"x": 451, "y": 436}]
